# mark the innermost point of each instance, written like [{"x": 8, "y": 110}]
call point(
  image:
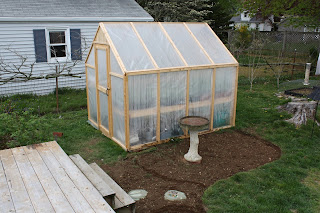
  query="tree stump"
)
[{"x": 301, "y": 111}]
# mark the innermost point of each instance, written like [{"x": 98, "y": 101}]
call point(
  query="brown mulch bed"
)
[{"x": 224, "y": 154}]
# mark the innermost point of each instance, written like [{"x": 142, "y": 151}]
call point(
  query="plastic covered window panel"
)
[
  {"x": 211, "y": 43},
  {"x": 92, "y": 92},
  {"x": 118, "y": 109},
  {"x": 158, "y": 45},
  {"x": 200, "y": 93},
  {"x": 186, "y": 44},
  {"x": 129, "y": 47},
  {"x": 104, "y": 110},
  {"x": 115, "y": 67},
  {"x": 224, "y": 96},
  {"x": 172, "y": 103},
  {"x": 91, "y": 58},
  {"x": 142, "y": 108},
  {"x": 102, "y": 67}
]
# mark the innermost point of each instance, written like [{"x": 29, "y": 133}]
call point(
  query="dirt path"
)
[{"x": 158, "y": 171}]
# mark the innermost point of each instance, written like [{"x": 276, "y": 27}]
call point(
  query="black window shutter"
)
[
  {"x": 40, "y": 47},
  {"x": 75, "y": 37}
]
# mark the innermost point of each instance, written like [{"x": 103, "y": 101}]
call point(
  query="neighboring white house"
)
[
  {"x": 45, "y": 32},
  {"x": 253, "y": 22}
]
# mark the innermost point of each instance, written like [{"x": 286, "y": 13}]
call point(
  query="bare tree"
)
[
  {"x": 24, "y": 69},
  {"x": 278, "y": 67}
]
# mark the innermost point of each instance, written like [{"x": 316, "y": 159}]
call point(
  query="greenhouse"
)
[{"x": 142, "y": 77}]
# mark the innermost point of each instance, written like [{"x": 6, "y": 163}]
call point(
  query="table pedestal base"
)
[{"x": 192, "y": 155}]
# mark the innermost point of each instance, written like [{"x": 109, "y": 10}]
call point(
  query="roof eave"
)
[{"x": 74, "y": 19}]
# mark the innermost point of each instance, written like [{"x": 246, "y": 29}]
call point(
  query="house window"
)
[{"x": 58, "y": 45}]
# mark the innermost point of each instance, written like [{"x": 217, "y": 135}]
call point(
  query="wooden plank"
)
[
  {"x": 107, "y": 193},
  {"x": 66, "y": 184},
  {"x": 6, "y": 202},
  {"x": 119, "y": 143},
  {"x": 34, "y": 188},
  {"x": 122, "y": 196},
  {"x": 55, "y": 194},
  {"x": 97, "y": 84},
  {"x": 196, "y": 40},
  {"x": 172, "y": 43},
  {"x": 158, "y": 108},
  {"x": 87, "y": 92},
  {"x": 187, "y": 93},
  {"x": 126, "y": 111},
  {"x": 19, "y": 194},
  {"x": 235, "y": 99},
  {"x": 89, "y": 192},
  {"x": 116, "y": 75},
  {"x": 212, "y": 97},
  {"x": 105, "y": 131},
  {"x": 176, "y": 69},
  {"x": 102, "y": 89},
  {"x": 92, "y": 67},
  {"x": 110, "y": 116}
]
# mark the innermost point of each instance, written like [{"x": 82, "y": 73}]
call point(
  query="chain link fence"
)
[{"x": 295, "y": 48}]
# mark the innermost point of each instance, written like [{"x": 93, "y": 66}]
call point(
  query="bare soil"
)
[{"x": 164, "y": 168}]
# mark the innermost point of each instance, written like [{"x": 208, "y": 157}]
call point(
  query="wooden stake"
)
[
  {"x": 235, "y": 98},
  {"x": 126, "y": 111},
  {"x": 87, "y": 92},
  {"x": 97, "y": 85},
  {"x": 109, "y": 93},
  {"x": 57, "y": 88},
  {"x": 158, "y": 132}
]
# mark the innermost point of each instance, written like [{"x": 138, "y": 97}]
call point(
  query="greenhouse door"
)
[{"x": 103, "y": 87}]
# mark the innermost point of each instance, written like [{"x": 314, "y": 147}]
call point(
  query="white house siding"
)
[{"x": 19, "y": 37}]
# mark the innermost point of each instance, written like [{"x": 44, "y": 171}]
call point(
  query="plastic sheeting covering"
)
[
  {"x": 172, "y": 103},
  {"x": 115, "y": 67},
  {"x": 186, "y": 44},
  {"x": 158, "y": 45},
  {"x": 142, "y": 108},
  {"x": 104, "y": 110},
  {"x": 129, "y": 46},
  {"x": 102, "y": 67},
  {"x": 118, "y": 108},
  {"x": 211, "y": 43},
  {"x": 224, "y": 96},
  {"x": 200, "y": 93},
  {"x": 92, "y": 91}
]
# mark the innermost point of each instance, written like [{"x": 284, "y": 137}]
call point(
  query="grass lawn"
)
[{"x": 290, "y": 184}]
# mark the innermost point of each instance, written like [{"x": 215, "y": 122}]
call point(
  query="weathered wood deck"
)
[{"x": 42, "y": 178}]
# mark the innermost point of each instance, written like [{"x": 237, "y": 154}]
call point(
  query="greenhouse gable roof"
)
[{"x": 150, "y": 46}]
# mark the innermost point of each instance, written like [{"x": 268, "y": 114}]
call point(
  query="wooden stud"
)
[
  {"x": 101, "y": 43},
  {"x": 97, "y": 84},
  {"x": 126, "y": 111},
  {"x": 224, "y": 46},
  {"x": 105, "y": 131},
  {"x": 235, "y": 98},
  {"x": 113, "y": 48},
  {"x": 212, "y": 97},
  {"x": 196, "y": 40},
  {"x": 102, "y": 89},
  {"x": 158, "y": 109},
  {"x": 172, "y": 43},
  {"x": 176, "y": 69},
  {"x": 110, "y": 115},
  {"x": 87, "y": 91},
  {"x": 92, "y": 45},
  {"x": 93, "y": 122},
  {"x": 88, "y": 65},
  {"x": 187, "y": 92}
]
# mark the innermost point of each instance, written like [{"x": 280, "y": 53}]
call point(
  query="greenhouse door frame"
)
[{"x": 108, "y": 131}]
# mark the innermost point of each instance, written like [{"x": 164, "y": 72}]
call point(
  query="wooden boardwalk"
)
[{"x": 42, "y": 178}]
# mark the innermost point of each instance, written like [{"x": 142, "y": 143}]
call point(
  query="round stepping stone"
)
[
  {"x": 138, "y": 194},
  {"x": 174, "y": 195}
]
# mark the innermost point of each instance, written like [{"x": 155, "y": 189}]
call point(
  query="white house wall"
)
[{"x": 19, "y": 38}]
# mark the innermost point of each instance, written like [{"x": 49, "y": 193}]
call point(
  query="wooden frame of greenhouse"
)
[{"x": 142, "y": 77}]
